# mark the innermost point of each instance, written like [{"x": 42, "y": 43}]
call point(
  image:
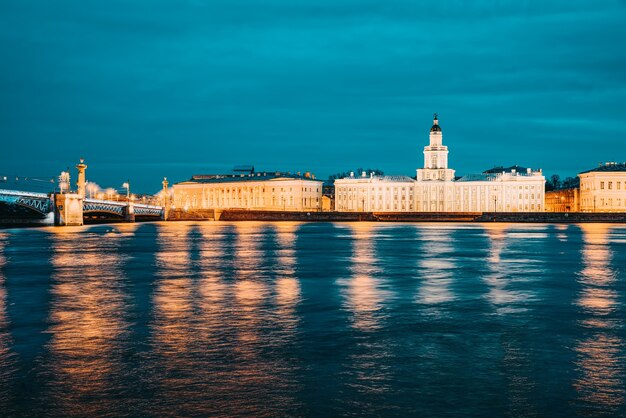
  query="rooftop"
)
[
  {"x": 260, "y": 176},
  {"x": 501, "y": 169},
  {"x": 380, "y": 178},
  {"x": 607, "y": 167},
  {"x": 497, "y": 172},
  {"x": 478, "y": 177}
]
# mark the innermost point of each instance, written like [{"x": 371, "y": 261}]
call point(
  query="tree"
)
[
  {"x": 571, "y": 183},
  {"x": 555, "y": 183}
]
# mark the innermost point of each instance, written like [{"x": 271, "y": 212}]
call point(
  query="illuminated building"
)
[
  {"x": 564, "y": 200},
  {"x": 249, "y": 190},
  {"x": 436, "y": 189},
  {"x": 374, "y": 193},
  {"x": 603, "y": 189},
  {"x": 512, "y": 189}
]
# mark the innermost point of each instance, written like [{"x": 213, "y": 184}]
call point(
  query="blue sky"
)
[{"x": 146, "y": 89}]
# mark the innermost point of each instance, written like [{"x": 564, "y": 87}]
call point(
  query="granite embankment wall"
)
[
  {"x": 553, "y": 217},
  {"x": 249, "y": 215},
  {"x": 192, "y": 215},
  {"x": 514, "y": 217}
]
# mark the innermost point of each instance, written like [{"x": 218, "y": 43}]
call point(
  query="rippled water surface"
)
[{"x": 313, "y": 319}]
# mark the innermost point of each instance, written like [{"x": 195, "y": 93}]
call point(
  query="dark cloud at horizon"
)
[{"x": 147, "y": 89}]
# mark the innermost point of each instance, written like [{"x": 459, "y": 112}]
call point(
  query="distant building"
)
[
  {"x": 247, "y": 189},
  {"x": 328, "y": 197},
  {"x": 436, "y": 189},
  {"x": 563, "y": 200},
  {"x": 603, "y": 189}
]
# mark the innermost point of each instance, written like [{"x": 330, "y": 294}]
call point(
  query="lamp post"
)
[
  {"x": 64, "y": 182},
  {"x": 127, "y": 187},
  {"x": 91, "y": 188}
]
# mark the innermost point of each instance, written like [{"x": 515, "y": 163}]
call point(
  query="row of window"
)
[
  {"x": 194, "y": 202},
  {"x": 375, "y": 207},
  {"x": 618, "y": 185},
  {"x": 610, "y": 202}
]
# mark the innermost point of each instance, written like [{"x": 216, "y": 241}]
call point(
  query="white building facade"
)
[
  {"x": 375, "y": 194},
  {"x": 436, "y": 189},
  {"x": 252, "y": 191},
  {"x": 603, "y": 189}
]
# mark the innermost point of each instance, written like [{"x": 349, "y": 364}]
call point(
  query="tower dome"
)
[{"x": 435, "y": 127}]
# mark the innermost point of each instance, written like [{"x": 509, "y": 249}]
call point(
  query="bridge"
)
[{"x": 31, "y": 208}]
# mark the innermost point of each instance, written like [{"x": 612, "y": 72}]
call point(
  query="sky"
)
[{"x": 149, "y": 88}]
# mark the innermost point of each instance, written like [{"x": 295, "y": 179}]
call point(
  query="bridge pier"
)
[
  {"x": 68, "y": 209},
  {"x": 129, "y": 212}
]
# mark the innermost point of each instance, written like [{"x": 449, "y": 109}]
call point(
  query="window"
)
[
  {"x": 610, "y": 185},
  {"x": 601, "y": 185}
]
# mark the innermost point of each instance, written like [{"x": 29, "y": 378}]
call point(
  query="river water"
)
[{"x": 267, "y": 319}]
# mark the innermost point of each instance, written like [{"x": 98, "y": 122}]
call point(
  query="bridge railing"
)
[
  {"x": 107, "y": 202},
  {"x": 146, "y": 206},
  {"x": 122, "y": 203},
  {"x": 25, "y": 194}
]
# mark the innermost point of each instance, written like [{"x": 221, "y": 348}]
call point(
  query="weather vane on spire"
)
[{"x": 435, "y": 115}]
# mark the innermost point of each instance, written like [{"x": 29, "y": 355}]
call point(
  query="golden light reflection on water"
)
[
  {"x": 172, "y": 295},
  {"x": 255, "y": 369},
  {"x": 212, "y": 287},
  {"x": 515, "y": 360},
  {"x": 364, "y": 297},
  {"x": 504, "y": 270},
  {"x": 212, "y": 315},
  {"x": 250, "y": 292},
  {"x": 174, "y": 335},
  {"x": 437, "y": 266},
  {"x": 601, "y": 368},
  {"x": 87, "y": 323},
  {"x": 597, "y": 276},
  {"x": 287, "y": 285}
]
